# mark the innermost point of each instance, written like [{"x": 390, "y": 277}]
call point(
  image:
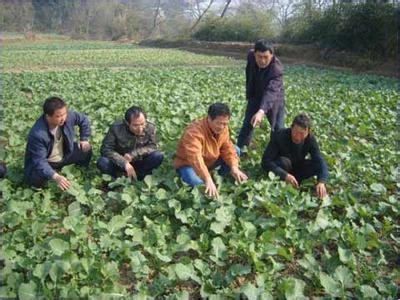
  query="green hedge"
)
[
  {"x": 241, "y": 28},
  {"x": 364, "y": 28}
]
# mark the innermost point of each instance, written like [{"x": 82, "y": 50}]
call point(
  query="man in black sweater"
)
[
  {"x": 264, "y": 91},
  {"x": 286, "y": 152}
]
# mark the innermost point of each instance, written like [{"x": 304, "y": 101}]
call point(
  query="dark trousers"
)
[
  {"x": 300, "y": 171},
  {"x": 246, "y": 132},
  {"x": 142, "y": 167},
  {"x": 77, "y": 157}
]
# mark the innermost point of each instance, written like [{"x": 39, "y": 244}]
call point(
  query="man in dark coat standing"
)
[{"x": 264, "y": 91}]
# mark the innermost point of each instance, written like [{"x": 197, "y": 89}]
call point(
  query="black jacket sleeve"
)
[
  {"x": 271, "y": 154},
  {"x": 273, "y": 88},
  {"x": 318, "y": 159},
  {"x": 109, "y": 146}
]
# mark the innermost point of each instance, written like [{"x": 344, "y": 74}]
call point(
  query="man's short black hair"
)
[
  {"x": 217, "y": 110},
  {"x": 302, "y": 120},
  {"x": 262, "y": 46},
  {"x": 133, "y": 112},
  {"x": 53, "y": 103}
]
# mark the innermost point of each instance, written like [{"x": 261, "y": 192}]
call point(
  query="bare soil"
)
[{"x": 291, "y": 55}]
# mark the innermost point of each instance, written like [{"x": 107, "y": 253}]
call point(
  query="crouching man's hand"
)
[
  {"x": 130, "y": 171},
  {"x": 211, "y": 189},
  {"x": 128, "y": 157},
  {"x": 238, "y": 175},
  {"x": 292, "y": 180},
  {"x": 62, "y": 182},
  {"x": 321, "y": 190},
  {"x": 85, "y": 146}
]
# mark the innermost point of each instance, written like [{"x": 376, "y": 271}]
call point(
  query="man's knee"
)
[
  {"x": 156, "y": 158},
  {"x": 34, "y": 180},
  {"x": 285, "y": 163},
  {"x": 189, "y": 176},
  {"x": 104, "y": 165},
  {"x": 86, "y": 157},
  {"x": 238, "y": 151}
]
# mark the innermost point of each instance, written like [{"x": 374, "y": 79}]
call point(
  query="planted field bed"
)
[{"x": 158, "y": 238}]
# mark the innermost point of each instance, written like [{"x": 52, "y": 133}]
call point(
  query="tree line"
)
[{"x": 368, "y": 26}]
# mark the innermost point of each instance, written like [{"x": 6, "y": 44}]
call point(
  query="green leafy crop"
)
[{"x": 106, "y": 239}]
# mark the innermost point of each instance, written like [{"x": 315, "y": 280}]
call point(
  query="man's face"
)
[
  {"x": 137, "y": 125},
  {"x": 299, "y": 134},
  {"x": 58, "y": 118},
  {"x": 263, "y": 58},
  {"x": 218, "y": 124}
]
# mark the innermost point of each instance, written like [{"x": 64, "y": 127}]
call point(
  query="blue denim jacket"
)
[{"x": 40, "y": 143}]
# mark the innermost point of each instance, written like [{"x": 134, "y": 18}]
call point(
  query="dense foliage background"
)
[{"x": 368, "y": 28}]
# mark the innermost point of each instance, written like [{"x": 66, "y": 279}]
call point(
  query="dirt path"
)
[{"x": 289, "y": 55}]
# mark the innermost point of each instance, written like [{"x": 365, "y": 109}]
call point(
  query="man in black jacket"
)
[
  {"x": 130, "y": 147},
  {"x": 264, "y": 91},
  {"x": 286, "y": 152}
]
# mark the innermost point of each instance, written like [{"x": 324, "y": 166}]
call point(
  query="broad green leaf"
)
[
  {"x": 161, "y": 194},
  {"x": 59, "y": 246},
  {"x": 346, "y": 256},
  {"x": 327, "y": 201},
  {"x": 369, "y": 292},
  {"x": 331, "y": 286},
  {"x": 116, "y": 223},
  {"x": 137, "y": 235},
  {"x": 74, "y": 209},
  {"x": 239, "y": 269},
  {"x": 186, "y": 272},
  {"x": 293, "y": 288},
  {"x": 42, "y": 270},
  {"x": 217, "y": 227},
  {"x": 322, "y": 220},
  {"x": 203, "y": 267},
  {"x": 378, "y": 188},
  {"x": 250, "y": 291},
  {"x": 127, "y": 198},
  {"x": 138, "y": 261},
  {"x": 27, "y": 291},
  {"x": 20, "y": 207},
  {"x": 7, "y": 293},
  {"x": 218, "y": 251},
  {"x": 71, "y": 222},
  {"x": 343, "y": 274},
  {"x": 250, "y": 231},
  {"x": 310, "y": 264}
]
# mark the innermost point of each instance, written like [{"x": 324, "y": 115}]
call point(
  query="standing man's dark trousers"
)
[
  {"x": 77, "y": 157},
  {"x": 142, "y": 167},
  {"x": 301, "y": 171},
  {"x": 247, "y": 130}
]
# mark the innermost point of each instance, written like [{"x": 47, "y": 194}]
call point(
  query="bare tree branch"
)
[
  {"x": 225, "y": 8},
  {"x": 201, "y": 15}
]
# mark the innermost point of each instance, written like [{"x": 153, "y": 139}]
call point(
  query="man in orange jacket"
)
[{"x": 206, "y": 145}]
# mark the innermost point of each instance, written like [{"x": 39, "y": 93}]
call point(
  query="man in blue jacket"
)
[
  {"x": 264, "y": 91},
  {"x": 51, "y": 144}
]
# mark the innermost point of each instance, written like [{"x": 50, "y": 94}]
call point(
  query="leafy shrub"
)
[
  {"x": 243, "y": 28},
  {"x": 363, "y": 28}
]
